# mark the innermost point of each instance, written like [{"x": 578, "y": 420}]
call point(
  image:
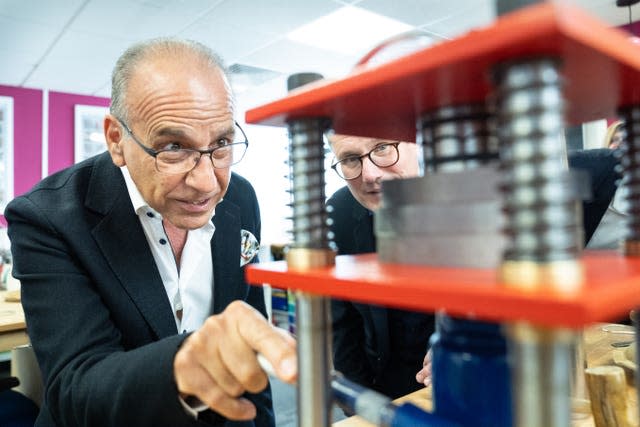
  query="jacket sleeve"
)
[{"x": 90, "y": 378}]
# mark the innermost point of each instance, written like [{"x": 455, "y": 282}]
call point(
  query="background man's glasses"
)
[
  {"x": 182, "y": 160},
  {"x": 382, "y": 155}
]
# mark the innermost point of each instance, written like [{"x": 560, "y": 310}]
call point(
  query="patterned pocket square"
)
[{"x": 249, "y": 247}]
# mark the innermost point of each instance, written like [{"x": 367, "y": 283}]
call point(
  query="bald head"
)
[{"x": 141, "y": 53}]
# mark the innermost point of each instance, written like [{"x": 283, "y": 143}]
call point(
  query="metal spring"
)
[
  {"x": 456, "y": 138},
  {"x": 540, "y": 203},
  {"x": 306, "y": 172},
  {"x": 630, "y": 161}
]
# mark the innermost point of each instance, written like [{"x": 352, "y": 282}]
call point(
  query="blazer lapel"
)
[
  {"x": 124, "y": 245},
  {"x": 228, "y": 277}
]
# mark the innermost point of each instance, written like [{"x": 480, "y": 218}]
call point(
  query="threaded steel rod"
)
[
  {"x": 544, "y": 230},
  {"x": 630, "y": 160},
  {"x": 310, "y": 248}
]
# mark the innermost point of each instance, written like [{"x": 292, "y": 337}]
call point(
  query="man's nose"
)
[
  {"x": 202, "y": 176},
  {"x": 370, "y": 172}
]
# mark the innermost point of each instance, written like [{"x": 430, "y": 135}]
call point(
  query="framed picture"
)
[
  {"x": 6, "y": 151},
  {"x": 88, "y": 134}
]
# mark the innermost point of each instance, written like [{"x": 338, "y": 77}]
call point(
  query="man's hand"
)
[
  {"x": 424, "y": 375},
  {"x": 218, "y": 363}
]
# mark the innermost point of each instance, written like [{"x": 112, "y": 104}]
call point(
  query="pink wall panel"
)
[
  {"x": 61, "y": 126},
  {"x": 27, "y": 136}
]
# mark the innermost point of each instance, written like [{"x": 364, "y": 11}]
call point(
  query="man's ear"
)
[{"x": 114, "y": 134}]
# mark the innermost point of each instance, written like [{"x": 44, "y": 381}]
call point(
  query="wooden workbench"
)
[
  {"x": 597, "y": 345},
  {"x": 13, "y": 329}
]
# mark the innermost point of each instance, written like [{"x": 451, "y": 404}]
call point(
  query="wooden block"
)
[
  {"x": 607, "y": 390},
  {"x": 12, "y": 296},
  {"x": 9, "y": 340}
]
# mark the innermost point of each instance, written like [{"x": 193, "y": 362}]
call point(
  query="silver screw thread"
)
[
  {"x": 306, "y": 172},
  {"x": 456, "y": 138},
  {"x": 543, "y": 223},
  {"x": 310, "y": 248},
  {"x": 630, "y": 161},
  {"x": 542, "y": 211}
]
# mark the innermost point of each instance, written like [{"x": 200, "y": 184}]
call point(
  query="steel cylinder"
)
[
  {"x": 310, "y": 248},
  {"x": 544, "y": 232}
]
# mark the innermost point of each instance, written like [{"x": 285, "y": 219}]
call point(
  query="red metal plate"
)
[
  {"x": 600, "y": 64},
  {"x": 601, "y": 67},
  {"x": 612, "y": 288}
]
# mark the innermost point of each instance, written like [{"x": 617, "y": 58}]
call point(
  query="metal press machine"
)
[{"x": 488, "y": 110}]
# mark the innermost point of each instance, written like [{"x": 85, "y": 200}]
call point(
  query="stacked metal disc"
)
[{"x": 448, "y": 219}]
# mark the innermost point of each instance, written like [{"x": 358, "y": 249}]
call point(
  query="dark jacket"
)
[
  {"x": 97, "y": 312},
  {"x": 377, "y": 347}
]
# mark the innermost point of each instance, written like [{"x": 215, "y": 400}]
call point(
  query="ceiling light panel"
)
[{"x": 349, "y": 30}]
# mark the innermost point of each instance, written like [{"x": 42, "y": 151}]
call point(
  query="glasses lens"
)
[
  {"x": 176, "y": 161},
  {"x": 231, "y": 154},
  {"x": 385, "y": 155},
  {"x": 349, "y": 168}
]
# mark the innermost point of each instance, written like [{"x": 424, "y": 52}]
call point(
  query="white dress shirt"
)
[{"x": 190, "y": 287}]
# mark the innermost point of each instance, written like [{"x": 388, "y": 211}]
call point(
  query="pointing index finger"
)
[{"x": 276, "y": 347}]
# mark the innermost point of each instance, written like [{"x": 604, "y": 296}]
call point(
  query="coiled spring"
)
[
  {"x": 630, "y": 161},
  {"x": 306, "y": 172},
  {"x": 543, "y": 220},
  {"x": 455, "y": 138}
]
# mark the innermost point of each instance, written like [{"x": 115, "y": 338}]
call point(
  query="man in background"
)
[
  {"x": 383, "y": 348},
  {"x": 378, "y": 347},
  {"x": 130, "y": 262}
]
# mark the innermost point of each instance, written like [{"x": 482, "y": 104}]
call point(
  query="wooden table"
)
[
  {"x": 13, "y": 329},
  {"x": 597, "y": 345}
]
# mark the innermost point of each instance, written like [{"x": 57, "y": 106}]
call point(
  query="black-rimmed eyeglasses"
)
[
  {"x": 382, "y": 155},
  {"x": 175, "y": 161}
]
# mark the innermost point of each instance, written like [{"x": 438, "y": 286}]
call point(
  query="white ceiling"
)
[{"x": 71, "y": 45}]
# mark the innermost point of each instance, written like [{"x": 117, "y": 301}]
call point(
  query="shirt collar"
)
[{"x": 140, "y": 206}]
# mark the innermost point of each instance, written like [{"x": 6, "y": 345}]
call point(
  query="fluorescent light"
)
[{"x": 349, "y": 30}]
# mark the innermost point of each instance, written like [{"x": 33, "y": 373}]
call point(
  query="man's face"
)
[
  {"x": 175, "y": 103},
  {"x": 366, "y": 188},
  {"x": 617, "y": 139}
]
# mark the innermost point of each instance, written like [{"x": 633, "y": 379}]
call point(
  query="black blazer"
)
[
  {"x": 97, "y": 313},
  {"x": 364, "y": 335}
]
